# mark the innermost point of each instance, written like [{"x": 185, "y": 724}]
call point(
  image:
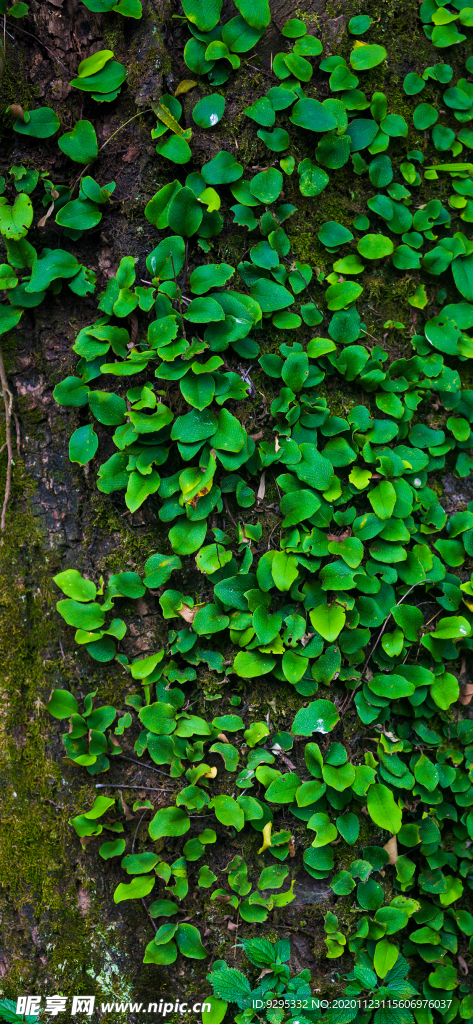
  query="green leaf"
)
[
  {"x": 256, "y": 733},
  {"x": 270, "y": 295},
  {"x": 383, "y": 499},
  {"x": 426, "y": 773},
  {"x": 163, "y": 908},
  {"x": 228, "y": 983},
  {"x": 208, "y": 619},
  {"x": 83, "y": 445},
  {"x": 446, "y": 35},
  {"x": 267, "y": 185},
  {"x": 210, "y": 275},
  {"x": 385, "y": 956},
  {"x": 166, "y": 262},
  {"x": 374, "y": 247},
  {"x": 424, "y": 116},
  {"x": 452, "y": 628},
  {"x": 383, "y": 809},
  {"x": 56, "y": 263},
  {"x": 157, "y": 953},
  {"x": 262, "y": 112},
  {"x": 189, "y": 942},
  {"x": 106, "y": 81},
  {"x": 135, "y": 890},
  {"x": 284, "y": 570},
  {"x": 252, "y": 664},
  {"x": 112, "y": 849},
  {"x": 186, "y": 537},
  {"x": 283, "y": 790},
  {"x": 348, "y": 826},
  {"x": 169, "y": 821},
  {"x": 212, "y": 557},
  {"x": 15, "y": 220},
  {"x": 312, "y": 114},
  {"x": 216, "y": 1012},
  {"x": 320, "y": 716},
  {"x": 222, "y": 170},
  {"x": 95, "y": 63},
  {"x": 272, "y": 877},
  {"x": 62, "y": 704},
  {"x": 18, "y": 10},
  {"x": 445, "y": 690},
  {"x": 255, "y": 12},
  {"x": 297, "y": 506},
  {"x": 328, "y": 620},
  {"x": 81, "y": 143},
  {"x": 366, "y": 55},
  {"x": 159, "y": 718},
  {"x": 139, "y": 863},
  {"x": 228, "y": 812},
  {"x": 74, "y": 585},
  {"x": 413, "y": 84},
  {"x": 185, "y": 212},
  {"x": 82, "y": 616},
  {"x": 204, "y": 17},
  {"x": 359, "y": 24},
  {"x": 341, "y": 295},
  {"x": 238, "y": 35},
  {"x": 40, "y": 124}
]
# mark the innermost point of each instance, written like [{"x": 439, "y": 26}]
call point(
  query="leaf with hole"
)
[{"x": 15, "y": 220}]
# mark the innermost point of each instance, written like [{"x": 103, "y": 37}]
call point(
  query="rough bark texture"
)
[{"x": 60, "y": 928}]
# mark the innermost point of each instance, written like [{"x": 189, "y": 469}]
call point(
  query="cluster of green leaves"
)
[
  {"x": 362, "y": 532},
  {"x": 440, "y": 22},
  {"x": 100, "y": 75},
  {"x": 127, "y": 8},
  {"x": 214, "y": 49}
]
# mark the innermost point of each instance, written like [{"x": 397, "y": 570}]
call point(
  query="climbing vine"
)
[{"x": 360, "y": 599}]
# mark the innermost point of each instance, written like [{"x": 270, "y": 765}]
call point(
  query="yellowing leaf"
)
[{"x": 185, "y": 86}]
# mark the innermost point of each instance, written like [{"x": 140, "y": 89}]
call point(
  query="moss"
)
[{"x": 16, "y": 88}]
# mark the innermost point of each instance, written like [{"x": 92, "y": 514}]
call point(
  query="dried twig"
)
[
  {"x": 8, "y": 402},
  {"x": 124, "y": 785}
]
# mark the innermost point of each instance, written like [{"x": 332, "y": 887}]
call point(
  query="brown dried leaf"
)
[
  {"x": 466, "y": 694},
  {"x": 262, "y": 488},
  {"x": 42, "y": 222},
  {"x": 17, "y": 111},
  {"x": 126, "y": 810},
  {"x": 188, "y": 614},
  {"x": 131, "y": 154},
  {"x": 391, "y": 849},
  {"x": 462, "y": 964}
]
